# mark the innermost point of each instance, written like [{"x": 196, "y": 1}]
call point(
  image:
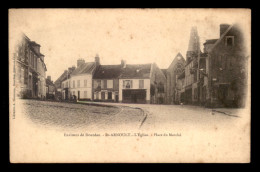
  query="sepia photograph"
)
[{"x": 129, "y": 85}]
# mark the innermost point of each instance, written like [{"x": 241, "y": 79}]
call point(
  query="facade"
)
[
  {"x": 50, "y": 88},
  {"x": 79, "y": 84},
  {"x": 29, "y": 69},
  {"x": 143, "y": 83},
  {"x": 106, "y": 82},
  {"x": 181, "y": 87},
  {"x": 227, "y": 68},
  {"x": 191, "y": 68},
  {"x": 58, "y": 83},
  {"x": 173, "y": 87}
]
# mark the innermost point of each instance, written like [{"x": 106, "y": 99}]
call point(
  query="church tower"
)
[{"x": 194, "y": 45}]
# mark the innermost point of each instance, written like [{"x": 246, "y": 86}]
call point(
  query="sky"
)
[{"x": 135, "y": 35}]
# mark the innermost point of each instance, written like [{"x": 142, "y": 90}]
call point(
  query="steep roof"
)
[
  {"x": 63, "y": 76},
  {"x": 85, "y": 68},
  {"x": 221, "y": 37},
  {"x": 210, "y": 41},
  {"x": 176, "y": 60},
  {"x": 136, "y": 71},
  {"x": 49, "y": 82},
  {"x": 194, "y": 40},
  {"x": 107, "y": 72}
]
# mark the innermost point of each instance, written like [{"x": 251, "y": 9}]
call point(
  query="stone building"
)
[
  {"x": 50, "y": 88},
  {"x": 226, "y": 61},
  {"x": 142, "y": 83},
  {"x": 78, "y": 84},
  {"x": 58, "y": 83},
  {"x": 173, "y": 87},
  {"x": 106, "y": 82},
  {"x": 29, "y": 68},
  {"x": 191, "y": 68}
]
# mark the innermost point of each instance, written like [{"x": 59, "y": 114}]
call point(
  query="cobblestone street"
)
[
  {"x": 91, "y": 115},
  {"x": 49, "y": 124},
  {"x": 73, "y": 116}
]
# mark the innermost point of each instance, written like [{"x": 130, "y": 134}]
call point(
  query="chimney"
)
[
  {"x": 49, "y": 78},
  {"x": 223, "y": 28},
  {"x": 36, "y": 46},
  {"x": 123, "y": 63},
  {"x": 70, "y": 69},
  {"x": 80, "y": 62},
  {"x": 97, "y": 60}
]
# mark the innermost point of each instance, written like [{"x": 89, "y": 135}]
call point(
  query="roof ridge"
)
[{"x": 221, "y": 37}]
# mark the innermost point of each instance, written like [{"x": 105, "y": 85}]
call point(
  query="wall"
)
[
  {"x": 88, "y": 88},
  {"x": 157, "y": 77},
  {"x": 135, "y": 86}
]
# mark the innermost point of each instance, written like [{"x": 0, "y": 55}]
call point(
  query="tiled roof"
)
[
  {"x": 63, "y": 77},
  {"x": 210, "y": 41},
  {"x": 221, "y": 37},
  {"x": 136, "y": 71},
  {"x": 107, "y": 72},
  {"x": 84, "y": 68},
  {"x": 49, "y": 82}
]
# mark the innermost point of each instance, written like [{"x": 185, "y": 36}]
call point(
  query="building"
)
[
  {"x": 191, "y": 68},
  {"x": 79, "y": 84},
  {"x": 106, "y": 82},
  {"x": 50, "y": 88},
  {"x": 142, "y": 83},
  {"x": 173, "y": 87},
  {"x": 226, "y": 60},
  {"x": 58, "y": 83},
  {"x": 29, "y": 69},
  {"x": 180, "y": 87}
]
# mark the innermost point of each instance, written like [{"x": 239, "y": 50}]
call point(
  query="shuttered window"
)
[
  {"x": 141, "y": 84},
  {"x": 109, "y": 83},
  {"x": 78, "y": 83}
]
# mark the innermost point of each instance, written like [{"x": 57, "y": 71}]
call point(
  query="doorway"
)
[{"x": 78, "y": 95}]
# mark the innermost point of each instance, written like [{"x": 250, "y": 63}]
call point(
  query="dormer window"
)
[{"x": 229, "y": 41}]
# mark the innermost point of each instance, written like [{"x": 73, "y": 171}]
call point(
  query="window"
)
[
  {"x": 127, "y": 84},
  {"x": 97, "y": 84},
  {"x": 78, "y": 83},
  {"x": 67, "y": 84},
  {"x": 229, "y": 41},
  {"x": 103, "y": 84},
  {"x": 195, "y": 75},
  {"x": 103, "y": 95},
  {"x": 73, "y": 93},
  {"x": 62, "y": 85},
  {"x": 22, "y": 75},
  {"x": 160, "y": 88},
  {"x": 85, "y": 83},
  {"x": 85, "y": 94},
  {"x": 195, "y": 93},
  {"x": 141, "y": 84},
  {"x": 109, "y": 83},
  {"x": 73, "y": 84},
  {"x": 109, "y": 95}
]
